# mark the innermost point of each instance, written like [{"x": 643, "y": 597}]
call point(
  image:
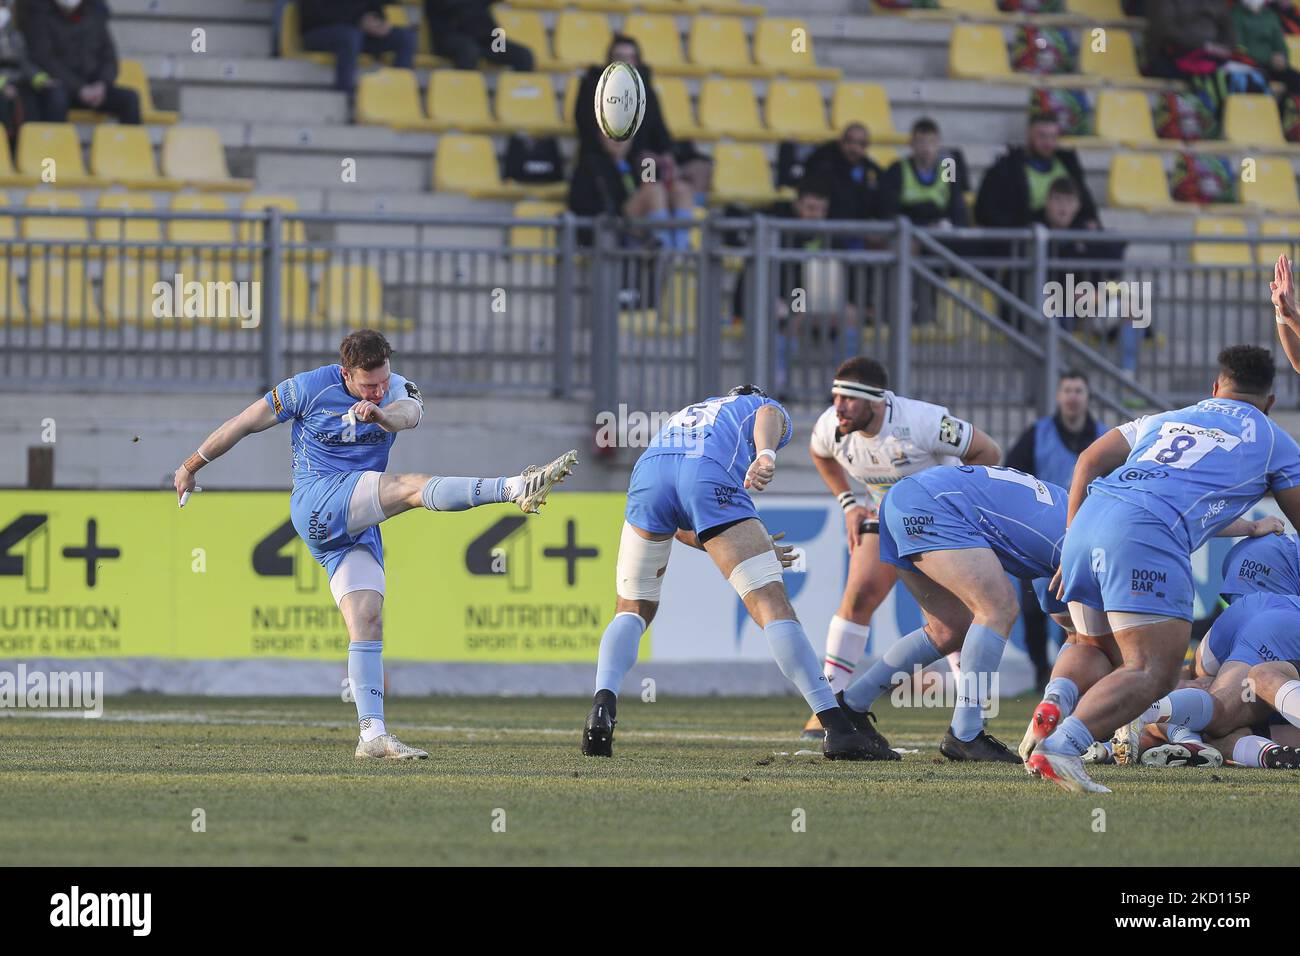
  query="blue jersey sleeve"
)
[
  {"x": 401, "y": 389},
  {"x": 288, "y": 397},
  {"x": 1284, "y": 463}
]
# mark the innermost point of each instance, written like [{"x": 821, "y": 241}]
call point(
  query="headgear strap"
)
[{"x": 851, "y": 389}]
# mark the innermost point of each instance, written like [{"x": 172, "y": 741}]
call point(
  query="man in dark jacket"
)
[
  {"x": 464, "y": 31},
  {"x": 348, "y": 28},
  {"x": 652, "y": 138},
  {"x": 1014, "y": 189},
  {"x": 27, "y": 93},
  {"x": 69, "y": 40},
  {"x": 853, "y": 179},
  {"x": 607, "y": 182},
  {"x": 1048, "y": 450},
  {"x": 917, "y": 187}
]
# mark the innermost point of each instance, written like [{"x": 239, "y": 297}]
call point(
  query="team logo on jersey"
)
[
  {"x": 1213, "y": 511},
  {"x": 951, "y": 431},
  {"x": 1139, "y": 474},
  {"x": 413, "y": 392}
]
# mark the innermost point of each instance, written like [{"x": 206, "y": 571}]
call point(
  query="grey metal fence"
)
[{"x": 651, "y": 315}]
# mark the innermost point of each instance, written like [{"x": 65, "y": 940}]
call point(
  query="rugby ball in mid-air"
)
[{"x": 620, "y": 101}]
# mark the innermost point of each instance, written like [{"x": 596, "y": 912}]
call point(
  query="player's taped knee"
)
[
  {"x": 756, "y": 572},
  {"x": 641, "y": 565}
]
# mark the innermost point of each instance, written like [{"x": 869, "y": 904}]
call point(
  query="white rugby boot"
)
[
  {"x": 386, "y": 746},
  {"x": 540, "y": 479}
]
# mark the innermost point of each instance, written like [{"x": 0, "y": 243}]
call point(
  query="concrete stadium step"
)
[
  {"x": 202, "y": 11},
  {"x": 274, "y": 169},
  {"x": 137, "y": 36},
  {"x": 259, "y": 70},
  {"x": 204, "y": 104}
]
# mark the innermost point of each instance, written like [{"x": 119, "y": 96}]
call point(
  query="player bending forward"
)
[
  {"x": 1144, "y": 497},
  {"x": 955, "y": 533},
  {"x": 875, "y": 437},
  {"x": 345, "y": 420},
  {"x": 1085, "y": 659},
  {"x": 692, "y": 483}
]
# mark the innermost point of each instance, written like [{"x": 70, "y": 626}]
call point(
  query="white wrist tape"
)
[
  {"x": 847, "y": 500},
  {"x": 199, "y": 452},
  {"x": 766, "y": 451}
]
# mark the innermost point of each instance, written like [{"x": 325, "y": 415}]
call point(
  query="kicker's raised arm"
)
[{"x": 257, "y": 417}]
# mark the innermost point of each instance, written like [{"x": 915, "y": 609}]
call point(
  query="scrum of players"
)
[{"x": 1109, "y": 558}]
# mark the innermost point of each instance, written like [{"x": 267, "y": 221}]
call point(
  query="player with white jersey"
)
[
  {"x": 692, "y": 484},
  {"x": 876, "y": 438},
  {"x": 345, "y": 420},
  {"x": 1144, "y": 497}
]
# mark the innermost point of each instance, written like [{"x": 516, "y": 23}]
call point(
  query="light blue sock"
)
[
  {"x": 1072, "y": 737},
  {"x": 461, "y": 494},
  {"x": 1066, "y": 693},
  {"x": 618, "y": 647},
  {"x": 799, "y": 663},
  {"x": 366, "y": 675},
  {"x": 914, "y": 650},
  {"x": 981, "y": 655},
  {"x": 1191, "y": 707}
]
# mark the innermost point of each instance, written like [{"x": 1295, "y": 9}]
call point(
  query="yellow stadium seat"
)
[
  {"x": 794, "y": 110},
  {"x": 741, "y": 173},
  {"x": 1251, "y": 119},
  {"x": 786, "y": 46},
  {"x": 130, "y": 73},
  {"x": 127, "y": 230},
  {"x": 352, "y": 295},
  {"x": 294, "y": 231},
  {"x": 1267, "y": 253},
  {"x": 1293, "y": 49},
  {"x": 457, "y": 99},
  {"x": 1220, "y": 253},
  {"x": 12, "y": 308},
  {"x": 526, "y": 27},
  {"x": 391, "y": 97},
  {"x": 535, "y": 237},
  {"x": 661, "y": 44},
  {"x": 865, "y": 103},
  {"x": 1138, "y": 181},
  {"x": 291, "y": 38},
  {"x": 526, "y": 101},
  {"x": 979, "y": 52},
  {"x": 719, "y": 43},
  {"x": 123, "y": 155},
  {"x": 679, "y": 115},
  {"x": 59, "y": 290},
  {"x": 196, "y": 155},
  {"x": 63, "y": 229},
  {"x": 1117, "y": 64},
  {"x": 295, "y": 292},
  {"x": 1273, "y": 188},
  {"x": 1096, "y": 10},
  {"x": 581, "y": 37},
  {"x": 729, "y": 108},
  {"x": 128, "y": 290},
  {"x": 57, "y": 144},
  {"x": 467, "y": 164},
  {"x": 1125, "y": 117},
  {"x": 188, "y": 231},
  {"x": 8, "y": 175}
]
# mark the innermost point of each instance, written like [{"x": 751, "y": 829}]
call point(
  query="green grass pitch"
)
[{"x": 692, "y": 782}]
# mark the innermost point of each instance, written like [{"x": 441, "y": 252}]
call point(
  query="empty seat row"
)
[
  {"x": 1281, "y": 232},
  {"x": 979, "y": 52},
  {"x": 1138, "y": 181},
  {"x": 50, "y": 153},
  {"x": 1249, "y": 119}
]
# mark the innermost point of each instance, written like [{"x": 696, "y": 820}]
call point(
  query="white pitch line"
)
[{"x": 142, "y": 717}]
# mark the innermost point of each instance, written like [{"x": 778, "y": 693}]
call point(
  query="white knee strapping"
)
[
  {"x": 753, "y": 573},
  {"x": 1209, "y": 663},
  {"x": 358, "y": 571},
  {"x": 1123, "y": 620},
  {"x": 641, "y": 565},
  {"x": 364, "y": 510},
  {"x": 1088, "y": 621}
]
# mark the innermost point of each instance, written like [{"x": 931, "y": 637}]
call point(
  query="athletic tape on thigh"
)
[
  {"x": 641, "y": 565},
  {"x": 1123, "y": 620},
  {"x": 358, "y": 571},
  {"x": 753, "y": 573},
  {"x": 364, "y": 509},
  {"x": 1088, "y": 621}
]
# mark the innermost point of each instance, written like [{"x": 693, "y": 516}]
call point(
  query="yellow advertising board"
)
[{"x": 128, "y": 574}]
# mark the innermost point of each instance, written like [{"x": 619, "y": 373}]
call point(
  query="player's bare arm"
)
[
  {"x": 398, "y": 416},
  {"x": 784, "y": 552},
  {"x": 983, "y": 450},
  {"x": 1282, "y": 290},
  {"x": 1288, "y": 499},
  {"x": 1245, "y": 528},
  {"x": 257, "y": 417},
  {"x": 837, "y": 480},
  {"x": 769, "y": 425},
  {"x": 1100, "y": 458}
]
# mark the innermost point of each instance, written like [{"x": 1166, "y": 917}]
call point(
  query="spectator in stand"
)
[
  {"x": 69, "y": 41},
  {"x": 26, "y": 92},
  {"x": 916, "y": 187},
  {"x": 1048, "y": 450},
  {"x": 348, "y": 28},
  {"x": 606, "y": 182},
  {"x": 1193, "y": 40},
  {"x": 464, "y": 31},
  {"x": 853, "y": 179},
  {"x": 1014, "y": 189},
  {"x": 1260, "y": 37}
]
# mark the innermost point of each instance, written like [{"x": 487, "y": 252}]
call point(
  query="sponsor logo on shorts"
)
[
  {"x": 318, "y": 527},
  {"x": 1144, "y": 582},
  {"x": 915, "y": 526},
  {"x": 724, "y": 493},
  {"x": 1267, "y": 654},
  {"x": 1251, "y": 570}
]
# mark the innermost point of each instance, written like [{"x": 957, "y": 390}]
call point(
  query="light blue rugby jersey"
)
[
  {"x": 317, "y": 401},
  {"x": 720, "y": 429},
  {"x": 1201, "y": 467}
]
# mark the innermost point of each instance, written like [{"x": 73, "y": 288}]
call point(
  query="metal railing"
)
[{"x": 651, "y": 315}]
